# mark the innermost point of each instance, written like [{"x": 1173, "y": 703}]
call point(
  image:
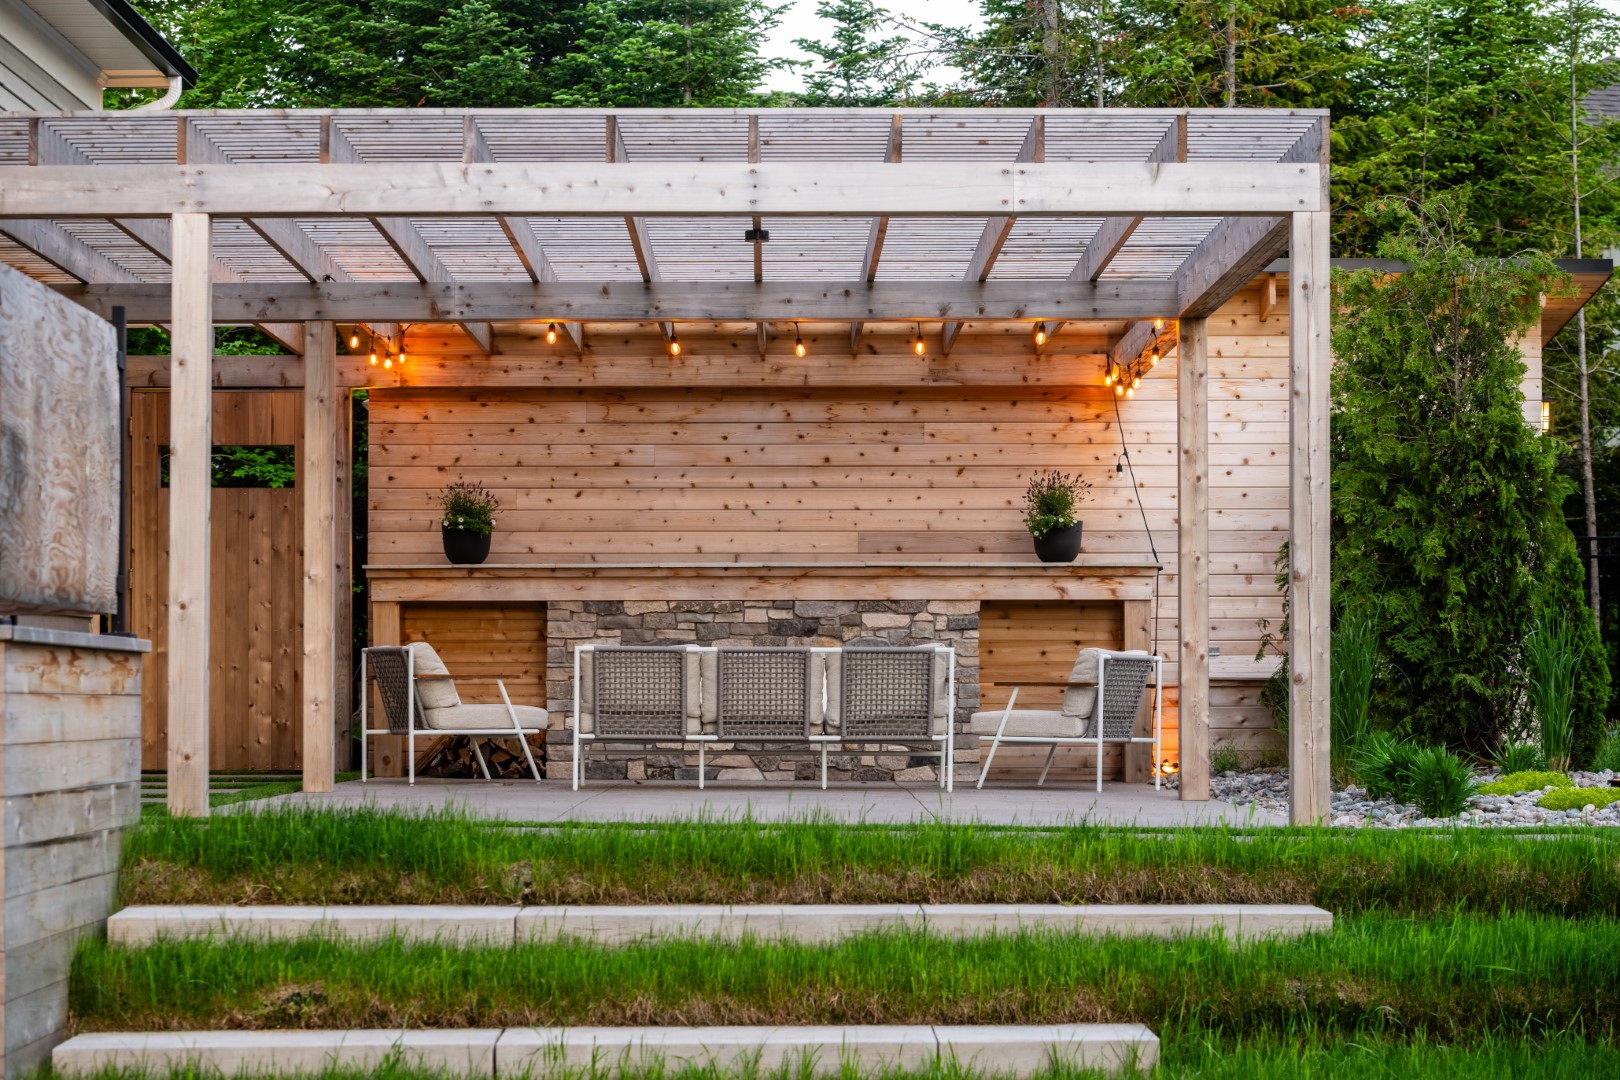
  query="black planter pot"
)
[
  {"x": 465, "y": 547},
  {"x": 1059, "y": 545}
]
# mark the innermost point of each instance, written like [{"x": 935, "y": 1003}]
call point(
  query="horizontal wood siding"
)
[{"x": 481, "y": 643}]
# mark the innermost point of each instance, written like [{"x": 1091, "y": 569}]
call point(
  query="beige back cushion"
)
[
  {"x": 1082, "y": 701},
  {"x": 826, "y": 693},
  {"x": 432, "y": 693},
  {"x": 696, "y": 707},
  {"x": 585, "y": 722},
  {"x": 942, "y": 689}
]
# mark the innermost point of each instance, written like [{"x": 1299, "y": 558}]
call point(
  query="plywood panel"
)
[{"x": 254, "y": 637}]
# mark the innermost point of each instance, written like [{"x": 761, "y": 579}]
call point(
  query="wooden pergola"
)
[{"x": 297, "y": 221}]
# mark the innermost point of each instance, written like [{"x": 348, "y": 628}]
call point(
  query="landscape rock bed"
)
[{"x": 1267, "y": 789}]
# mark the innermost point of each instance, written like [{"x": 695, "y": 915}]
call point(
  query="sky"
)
[{"x": 801, "y": 21}]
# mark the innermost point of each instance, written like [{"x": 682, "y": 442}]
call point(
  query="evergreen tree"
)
[
  {"x": 856, "y": 66},
  {"x": 1450, "y": 536}
]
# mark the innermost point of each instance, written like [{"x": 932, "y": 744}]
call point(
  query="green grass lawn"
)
[
  {"x": 1455, "y": 954},
  {"x": 372, "y": 856}
]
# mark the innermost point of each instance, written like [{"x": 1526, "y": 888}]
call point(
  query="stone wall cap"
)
[{"x": 72, "y": 639}]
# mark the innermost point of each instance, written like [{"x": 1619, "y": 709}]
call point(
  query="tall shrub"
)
[
  {"x": 1552, "y": 653},
  {"x": 1449, "y": 536}
]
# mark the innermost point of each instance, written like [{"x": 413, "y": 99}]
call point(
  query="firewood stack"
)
[{"x": 452, "y": 759}]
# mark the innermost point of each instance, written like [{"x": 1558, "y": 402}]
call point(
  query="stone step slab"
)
[
  {"x": 618, "y": 925},
  {"x": 1012, "y": 1050}
]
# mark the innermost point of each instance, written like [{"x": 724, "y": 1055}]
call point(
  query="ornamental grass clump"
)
[
  {"x": 1519, "y": 757},
  {"x": 1607, "y": 758},
  {"x": 469, "y": 507},
  {"x": 1441, "y": 782},
  {"x": 1384, "y": 765},
  {"x": 1519, "y": 782},
  {"x": 1355, "y": 653},
  {"x": 1552, "y": 654},
  {"x": 1050, "y": 500}
]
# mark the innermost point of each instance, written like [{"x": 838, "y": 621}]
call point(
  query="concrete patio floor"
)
[{"x": 607, "y": 800}]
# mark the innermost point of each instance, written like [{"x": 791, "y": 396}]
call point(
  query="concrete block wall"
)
[
  {"x": 758, "y": 623},
  {"x": 70, "y": 716}
]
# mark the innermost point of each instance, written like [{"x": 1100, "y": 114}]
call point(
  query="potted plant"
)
[
  {"x": 469, "y": 518},
  {"x": 1049, "y": 514}
]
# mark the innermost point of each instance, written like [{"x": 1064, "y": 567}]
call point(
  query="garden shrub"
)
[
  {"x": 1225, "y": 757},
  {"x": 1384, "y": 766},
  {"x": 1440, "y": 783},
  {"x": 1552, "y": 652},
  {"x": 1576, "y": 798},
  {"x": 1355, "y": 652},
  {"x": 1607, "y": 758},
  {"x": 1519, "y": 757},
  {"x": 1514, "y": 783},
  {"x": 1449, "y": 533}
]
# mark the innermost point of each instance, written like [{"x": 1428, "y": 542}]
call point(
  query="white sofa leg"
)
[
  {"x": 479, "y": 754},
  {"x": 1050, "y": 754},
  {"x": 823, "y": 766}
]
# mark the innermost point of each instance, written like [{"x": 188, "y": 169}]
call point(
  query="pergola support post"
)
[
  {"x": 321, "y": 482},
  {"x": 1310, "y": 798},
  {"x": 1192, "y": 555},
  {"x": 190, "y": 497}
]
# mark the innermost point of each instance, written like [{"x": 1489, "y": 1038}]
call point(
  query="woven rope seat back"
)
[
  {"x": 1124, "y": 681},
  {"x": 640, "y": 692},
  {"x": 888, "y": 693},
  {"x": 763, "y": 693},
  {"x": 387, "y": 662}
]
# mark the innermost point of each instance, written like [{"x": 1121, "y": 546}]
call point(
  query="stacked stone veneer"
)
[{"x": 761, "y": 623}]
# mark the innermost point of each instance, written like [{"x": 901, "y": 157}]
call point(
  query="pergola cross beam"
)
[
  {"x": 640, "y": 240},
  {"x": 879, "y": 229}
]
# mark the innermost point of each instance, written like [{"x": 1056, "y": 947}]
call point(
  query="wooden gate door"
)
[{"x": 257, "y": 574}]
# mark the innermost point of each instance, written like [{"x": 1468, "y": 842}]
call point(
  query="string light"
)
[
  {"x": 1158, "y": 325},
  {"x": 400, "y": 360},
  {"x": 551, "y": 334},
  {"x": 374, "y": 358},
  {"x": 918, "y": 346},
  {"x": 354, "y": 341},
  {"x": 388, "y": 363},
  {"x": 1119, "y": 389},
  {"x": 1153, "y": 358},
  {"x": 1136, "y": 380},
  {"x": 1040, "y": 333},
  {"x": 674, "y": 344}
]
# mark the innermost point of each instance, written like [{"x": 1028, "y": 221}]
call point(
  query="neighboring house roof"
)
[
  {"x": 1587, "y": 275},
  {"x": 60, "y": 54},
  {"x": 1604, "y": 102}
]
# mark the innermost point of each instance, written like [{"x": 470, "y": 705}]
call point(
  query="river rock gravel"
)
[{"x": 1267, "y": 789}]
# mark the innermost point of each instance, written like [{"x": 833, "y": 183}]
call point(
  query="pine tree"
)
[{"x": 856, "y": 66}]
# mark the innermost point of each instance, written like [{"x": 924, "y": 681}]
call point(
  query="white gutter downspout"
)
[{"x": 170, "y": 96}]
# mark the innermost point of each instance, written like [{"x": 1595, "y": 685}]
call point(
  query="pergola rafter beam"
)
[
  {"x": 65, "y": 251},
  {"x": 640, "y": 241},
  {"x": 662, "y": 302},
  {"x": 403, "y": 236},
  {"x": 879, "y": 229},
  {"x": 996, "y": 230}
]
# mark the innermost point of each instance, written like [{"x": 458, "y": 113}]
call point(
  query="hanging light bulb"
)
[
  {"x": 1040, "y": 333},
  {"x": 1158, "y": 324},
  {"x": 388, "y": 363},
  {"x": 918, "y": 346},
  {"x": 798, "y": 341},
  {"x": 551, "y": 334},
  {"x": 374, "y": 358},
  {"x": 1136, "y": 380},
  {"x": 354, "y": 341},
  {"x": 1119, "y": 389},
  {"x": 674, "y": 345},
  {"x": 1108, "y": 374},
  {"x": 1153, "y": 357},
  {"x": 400, "y": 360},
  {"x": 1130, "y": 391}
]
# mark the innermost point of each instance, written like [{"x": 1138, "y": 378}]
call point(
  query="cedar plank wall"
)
[
  {"x": 481, "y": 643},
  {"x": 630, "y": 455},
  {"x": 257, "y": 600}
]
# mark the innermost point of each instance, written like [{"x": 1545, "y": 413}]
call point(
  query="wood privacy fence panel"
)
[{"x": 255, "y": 643}]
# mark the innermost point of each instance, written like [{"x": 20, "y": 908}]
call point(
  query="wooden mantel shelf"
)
[{"x": 1091, "y": 577}]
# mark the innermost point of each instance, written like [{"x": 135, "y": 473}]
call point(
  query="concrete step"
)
[
  {"x": 517, "y": 1052},
  {"x": 490, "y": 925}
]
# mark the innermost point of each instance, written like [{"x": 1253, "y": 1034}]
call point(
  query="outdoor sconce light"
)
[
  {"x": 917, "y": 346},
  {"x": 1040, "y": 333},
  {"x": 674, "y": 345},
  {"x": 551, "y": 334},
  {"x": 1546, "y": 417},
  {"x": 798, "y": 342}
]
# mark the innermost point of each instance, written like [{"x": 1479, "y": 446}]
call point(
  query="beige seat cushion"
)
[
  {"x": 486, "y": 718},
  {"x": 432, "y": 693},
  {"x": 1028, "y": 724}
]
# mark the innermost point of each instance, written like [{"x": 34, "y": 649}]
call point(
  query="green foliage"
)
[
  {"x": 1574, "y": 798},
  {"x": 1450, "y": 538},
  {"x": 857, "y": 65},
  {"x": 1050, "y": 500},
  {"x": 1518, "y": 757},
  {"x": 1441, "y": 782},
  {"x": 1355, "y": 655},
  {"x": 468, "y": 506},
  {"x": 1384, "y": 766},
  {"x": 1515, "y": 783},
  {"x": 255, "y": 466},
  {"x": 1225, "y": 757},
  {"x": 1607, "y": 758},
  {"x": 228, "y": 341},
  {"x": 1552, "y": 653}
]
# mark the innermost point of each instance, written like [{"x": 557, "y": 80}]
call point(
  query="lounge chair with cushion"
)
[
  {"x": 419, "y": 698},
  {"x": 1102, "y": 699}
]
